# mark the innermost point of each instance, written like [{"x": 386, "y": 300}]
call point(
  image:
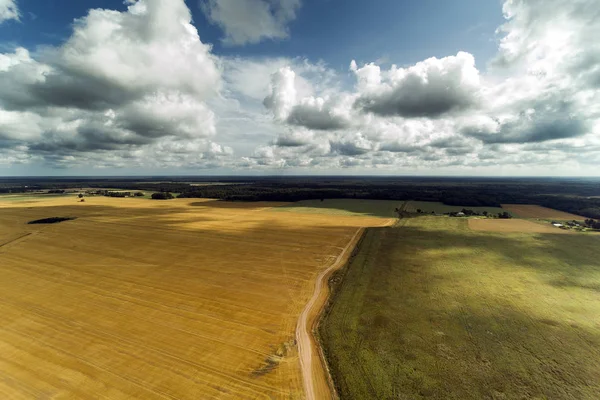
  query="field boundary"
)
[
  {"x": 16, "y": 239},
  {"x": 333, "y": 290},
  {"x": 306, "y": 329}
]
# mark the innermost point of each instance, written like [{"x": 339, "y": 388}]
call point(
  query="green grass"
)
[
  {"x": 378, "y": 208},
  {"x": 432, "y": 310},
  {"x": 439, "y": 208}
]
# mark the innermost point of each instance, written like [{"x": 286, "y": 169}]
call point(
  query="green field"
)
[
  {"x": 429, "y": 207},
  {"x": 378, "y": 208},
  {"x": 432, "y": 310}
]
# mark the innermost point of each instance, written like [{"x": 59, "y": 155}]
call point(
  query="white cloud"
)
[
  {"x": 9, "y": 10},
  {"x": 320, "y": 113},
  {"x": 139, "y": 89},
  {"x": 539, "y": 96},
  {"x": 282, "y": 98},
  {"x": 122, "y": 82},
  {"x": 251, "y": 21}
]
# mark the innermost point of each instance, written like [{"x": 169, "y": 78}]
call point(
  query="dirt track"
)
[{"x": 314, "y": 375}]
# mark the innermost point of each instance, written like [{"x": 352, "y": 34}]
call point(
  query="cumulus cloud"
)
[
  {"x": 429, "y": 88},
  {"x": 320, "y": 113},
  {"x": 122, "y": 80},
  {"x": 551, "y": 63},
  {"x": 282, "y": 98},
  {"x": 8, "y": 10},
  {"x": 539, "y": 95},
  {"x": 251, "y": 21},
  {"x": 139, "y": 88}
]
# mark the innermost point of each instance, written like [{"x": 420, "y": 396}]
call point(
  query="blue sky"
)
[
  {"x": 337, "y": 31},
  {"x": 434, "y": 88}
]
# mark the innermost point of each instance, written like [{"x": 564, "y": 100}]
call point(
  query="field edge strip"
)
[{"x": 309, "y": 331}]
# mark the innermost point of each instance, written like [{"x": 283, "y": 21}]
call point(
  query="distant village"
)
[{"x": 470, "y": 213}]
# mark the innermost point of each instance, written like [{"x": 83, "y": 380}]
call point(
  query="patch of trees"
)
[
  {"x": 56, "y": 191},
  {"x": 590, "y": 223},
  {"x": 504, "y": 215},
  {"x": 51, "y": 220},
  {"x": 117, "y": 194},
  {"x": 162, "y": 196}
]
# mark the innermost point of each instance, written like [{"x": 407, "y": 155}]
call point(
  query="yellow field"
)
[
  {"x": 158, "y": 300},
  {"x": 533, "y": 211},
  {"x": 513, "y": 225}
]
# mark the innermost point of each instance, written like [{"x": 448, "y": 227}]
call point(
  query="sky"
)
[{"x": 276, "y": 87}]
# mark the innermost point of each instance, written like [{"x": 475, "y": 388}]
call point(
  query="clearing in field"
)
[
  {"x": 429, "y": 207},
  {"x": 513, "y": 225},
  {"x": 434, "y": 310},
  {"x": 351, "y": 207},
  {"x": 158, "y": 300},
  {"x": 533, "y": 211}
]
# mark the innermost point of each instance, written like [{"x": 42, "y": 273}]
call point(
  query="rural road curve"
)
[{"x": 311, "y": 364}]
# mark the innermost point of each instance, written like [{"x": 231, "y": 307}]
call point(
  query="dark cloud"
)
[
  {"x": 395, "y": 147},
  {"x": 540, "y": 126},
  {"x": 314, "y": 118},
  {"x": 348, "y": 148},
  {"x": 410, "y": 101},
  {"x": 82, "y": 92},
  {"x": 458, "y": 151},
  {"x": 289, "y": 141}
]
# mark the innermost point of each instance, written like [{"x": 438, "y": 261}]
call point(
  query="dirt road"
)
[{"x": 314, "y": 371}]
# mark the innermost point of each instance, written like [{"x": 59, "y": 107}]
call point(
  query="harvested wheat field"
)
[
  {"x": 513, "y": 226},
  {"x": 158, "y": 300},
  {"x": 533, "y": 211}
]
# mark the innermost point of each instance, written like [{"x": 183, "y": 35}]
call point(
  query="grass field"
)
[
  {"x": 440, "y": 208},
  {"x": 533, "y": 211},
  {"x": 158, "y": 300},
  {"x": 351, "y": 207},
  {"x": 434, "y": 310}
]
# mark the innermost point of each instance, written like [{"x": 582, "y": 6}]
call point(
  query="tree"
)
[{"x": 81, "y": 195}]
